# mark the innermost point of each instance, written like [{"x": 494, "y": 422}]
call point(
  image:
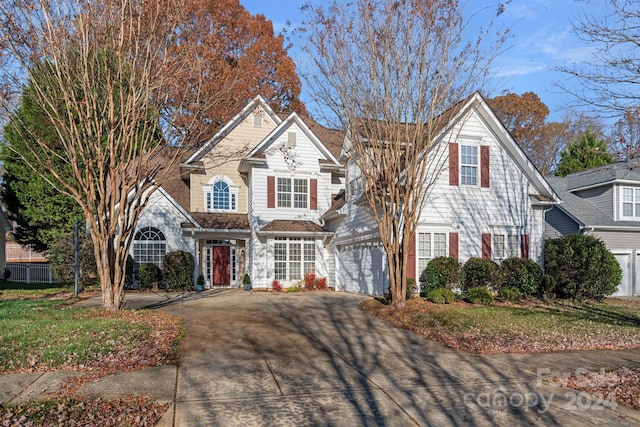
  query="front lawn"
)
[
  {"x": 533, "y": 326},
  {"x": 44, "y": 335},
  {"x": 40, "y": 331}
]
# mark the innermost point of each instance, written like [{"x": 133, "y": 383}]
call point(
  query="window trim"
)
[
  {"x": 510, "y": 246},
  {"x": 419, "y": 257},
  {"x": 462, "y": 165},
  {"x": 209, "y": 199},
  {"x": 143, "y": 239},
  {"x": 635, "y": 203},
  {"x": 297, "y": 265},
  {"x": 292, "y": 193}
]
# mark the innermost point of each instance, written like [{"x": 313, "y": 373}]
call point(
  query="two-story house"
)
[
  {"x": 279, "y": 196},
  {"x": 486, "y": 200},
  {"x": 603, "y": 202},
  {"x": 249, "y": 200}
]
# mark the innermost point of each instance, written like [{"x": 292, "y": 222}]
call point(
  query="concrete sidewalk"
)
[{"x": 253, "y": 359}]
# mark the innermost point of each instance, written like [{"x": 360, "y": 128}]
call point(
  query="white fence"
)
[{"x": 30, "y": 273}]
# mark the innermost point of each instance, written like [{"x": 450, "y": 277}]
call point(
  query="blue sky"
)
[{"x": 542, "y": 39}]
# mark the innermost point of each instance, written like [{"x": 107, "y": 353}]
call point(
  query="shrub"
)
[
  {"x": 508, "y": 293},
  {"x": 177, "y": 270},
  {"x": 61, "y": 257},
  {"x": 149, "y": 276},
  {"x": 441, "y": 296},
  {"x": 411, "y": 287},
  {"x": 582, "y": 267},
  {"x": 312, "y": 283},
  {"x": 522, "y": 274},
  {"x": 276, "y": 286},
  {"x": 478, "y": 295},
  {"x": 548, "y": 285},
  {"x": 441, "y": 272},
  {"x": 481, "y": 273},
  {"x": 246, "y": 280}
]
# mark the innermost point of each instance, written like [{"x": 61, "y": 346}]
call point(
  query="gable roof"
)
[
  {"x": 476, "y": 102},
  {"x": 333, "y": 137},
  {"x": 256, "y": 102}
]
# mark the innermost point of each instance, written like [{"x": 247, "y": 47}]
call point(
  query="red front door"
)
[{"x": 221, "y": 264}]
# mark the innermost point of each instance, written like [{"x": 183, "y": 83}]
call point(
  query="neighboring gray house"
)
[{"x": 605, "y": 203}]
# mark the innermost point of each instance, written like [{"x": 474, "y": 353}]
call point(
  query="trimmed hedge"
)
[
  {"x": 582, "y": 267},
  {"x": 441, "y": 296},
  {"x": 522, "y": 274},
  {"x": 479, "y": 295},
  {"x": 441, "y": 272},
  {"x": 177, "y": 269},
  {"x": 481, "y": 273}
]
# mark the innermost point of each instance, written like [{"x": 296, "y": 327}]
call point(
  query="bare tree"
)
[
  {"x": 610, "y": 81},
  {"x": 625, "y": 139},
  {"x": 390, "y": 70},
  {"x": 99, "y": 71}
]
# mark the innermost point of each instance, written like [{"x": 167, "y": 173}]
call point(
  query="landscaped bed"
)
[{"x": 531, "y": 326}]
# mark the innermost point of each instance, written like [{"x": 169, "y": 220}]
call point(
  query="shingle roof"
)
[
  {"x": 581, "y": 209},
  {"x": 279, "y": 225},
  {"x": 338, "y": 201},
  {"x": 219, "y": 221},
  {"x": 621, "y": 170}
]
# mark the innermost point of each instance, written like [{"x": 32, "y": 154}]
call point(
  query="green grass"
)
[
  {"x": 532, "y": 326},
  {"x": 44, "y": 334},
  {"x": 12, "y": 290}
]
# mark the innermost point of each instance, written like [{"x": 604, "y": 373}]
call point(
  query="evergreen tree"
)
[
  {"x": 41, "y": 212},
  {"x": 587, "y": 153}
]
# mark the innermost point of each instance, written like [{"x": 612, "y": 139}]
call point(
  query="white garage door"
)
[
  {"x": 625, "y": 284},
  {"x": 363, "y": 269}
]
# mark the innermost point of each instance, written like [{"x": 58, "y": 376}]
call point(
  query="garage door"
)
[
  {"x": 625, "y": 284},
  {"x": 363, "y": 269}
]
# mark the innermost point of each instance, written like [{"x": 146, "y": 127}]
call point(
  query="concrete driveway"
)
[{"x": 263, "y": 359}]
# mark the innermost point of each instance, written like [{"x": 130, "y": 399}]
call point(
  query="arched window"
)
[
  {"x": 221, "y": 195},
  {"x": 149, "y": 246}
]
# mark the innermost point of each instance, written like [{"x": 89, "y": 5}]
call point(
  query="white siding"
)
[
  {"x": 164, "y": 215},
  {"x": 470, "y": 211}
]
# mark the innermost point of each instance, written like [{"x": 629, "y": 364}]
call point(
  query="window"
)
[
  {"x": 257, "y": 119},
  {"x": 149, "y": 246},
  {"x": 468, "y": 165},
  {"x": 220, "y": 195},
  {"x": 355, "y": 187},
  {"x": 292, "y": 193},
  {"x": 294, "y": 257},
  {"x": 630, "y": 202},
  {"x": 512, "y": 245},
  {"x": 430, "y": 245},
  {"x": 505, "y": 246},
  {"x": 498, "y": 249}
]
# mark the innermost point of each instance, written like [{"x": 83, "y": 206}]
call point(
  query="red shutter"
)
[
  {"x": 453, "y": 163},
  {"x": 484, "y": 166},
  {"x": 313, "y": 190},
  {"x": 524, "y": 246},
  {"x": 271, "y": 191},
  {"x": 453, "y": 245},
  {"x": 486, "y": 246},
  {"x": 411, "y": 259}
]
